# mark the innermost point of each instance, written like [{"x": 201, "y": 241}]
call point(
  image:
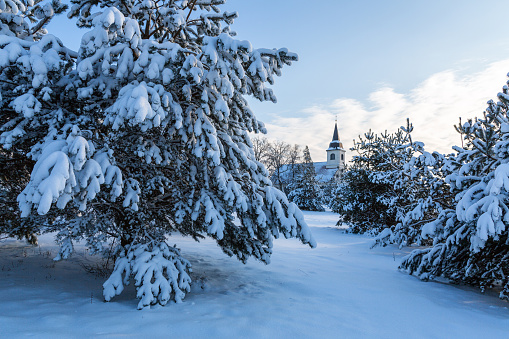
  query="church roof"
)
[
  {"x": 335, "y": 143},
  {"x": 324, "y": 174}
]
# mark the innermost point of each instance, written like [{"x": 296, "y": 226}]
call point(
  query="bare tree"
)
[
  {"x": 261, "y": 147},
  {"x": 278, "y": 157},
  {"x": 294, "y": 160}
]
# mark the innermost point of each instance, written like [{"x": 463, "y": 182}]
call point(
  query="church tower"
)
[{"x": 335, "y": 152}]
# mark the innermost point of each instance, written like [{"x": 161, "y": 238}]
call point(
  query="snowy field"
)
[{"x": 341, "y": 289}]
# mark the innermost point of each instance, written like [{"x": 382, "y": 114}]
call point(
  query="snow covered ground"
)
[{"x": 341, "y": 289}]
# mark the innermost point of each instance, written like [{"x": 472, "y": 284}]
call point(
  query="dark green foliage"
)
[
  {"x": 304, "y": 189},
  {"x": 356, "y": 199}
]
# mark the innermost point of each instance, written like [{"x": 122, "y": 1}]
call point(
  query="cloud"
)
[{"x": 434, "y": 107}]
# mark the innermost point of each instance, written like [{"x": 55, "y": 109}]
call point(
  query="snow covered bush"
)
[
  {"x": 304, "y": 189},
  {"x": 471, "y": 240},
  {"x": 142, "y": 133}
]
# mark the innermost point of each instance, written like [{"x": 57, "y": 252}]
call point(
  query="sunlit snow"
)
[{"x": 341, "y": 289}]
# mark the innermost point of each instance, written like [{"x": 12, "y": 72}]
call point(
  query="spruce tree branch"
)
[
  {"x": 146, "y": 34},
  {"x": 191, "y": 7},
  {"x": 104, "y": 203},
  {"x": 156, "y": 20},
  {"x": 8, "y": 82},
  {"x": 190, "y": 10},
  {"x": 40, "y": 25},
  {"x": 126, "y": 7}
]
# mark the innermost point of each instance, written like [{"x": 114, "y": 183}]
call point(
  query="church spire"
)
[
  {"x": 335, "y": 143},
  {"x": 335, "y": 137}
]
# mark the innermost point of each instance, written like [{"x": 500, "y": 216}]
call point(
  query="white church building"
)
[{"x": 335, "y": 164}]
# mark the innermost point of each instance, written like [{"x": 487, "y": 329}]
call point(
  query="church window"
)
[
  {"x": 333, "y": 156},
  {"x": 342, "y": 157}
]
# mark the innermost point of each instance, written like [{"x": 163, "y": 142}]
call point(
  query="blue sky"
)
[{"x": 373, "y": 64}]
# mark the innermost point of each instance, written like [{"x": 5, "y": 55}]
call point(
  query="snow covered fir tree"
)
[
  {"x": 358, "y": 198},
  {"x": 140, "y": 134},
  {"x": 304, "y": 190}
]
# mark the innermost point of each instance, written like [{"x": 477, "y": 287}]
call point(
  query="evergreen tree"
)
[
  {"x": 354, "y": 200},
  {"x": 423, "y": 193},
  {"x": 304, "y": 190},
  {"x": 140, "y": 134},
  {"x": 365, "y": 198},
  {"x": 470, "y": 240}
]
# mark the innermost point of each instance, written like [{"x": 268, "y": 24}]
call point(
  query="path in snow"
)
[{"x": 341, "y": 289}]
